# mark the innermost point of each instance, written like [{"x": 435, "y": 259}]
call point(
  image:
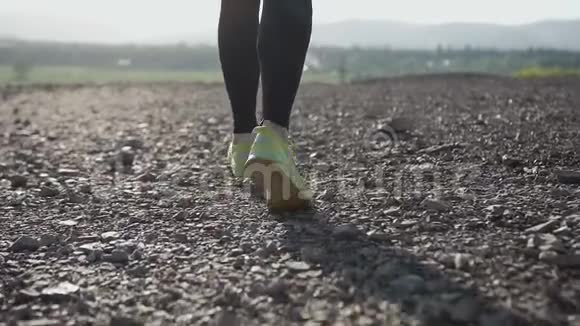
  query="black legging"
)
[{"x": 274, "y": 49}]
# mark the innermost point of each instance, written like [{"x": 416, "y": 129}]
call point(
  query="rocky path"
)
[{"x": 449, "y": 200}]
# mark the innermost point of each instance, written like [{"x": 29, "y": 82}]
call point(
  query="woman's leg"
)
[
  {"x": 283, "y": 42},
  {"x": 237, "y": 39}
]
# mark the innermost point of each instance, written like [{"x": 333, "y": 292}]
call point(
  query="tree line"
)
[{"x": 350, "y": 63}]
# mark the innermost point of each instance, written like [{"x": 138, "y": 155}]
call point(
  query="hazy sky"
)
[{"x": 151, "y": 19}]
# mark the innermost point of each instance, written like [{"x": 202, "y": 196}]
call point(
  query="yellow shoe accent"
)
[
  {"x": 237, "y": 157},
  {"x": 272, "y": 167}
]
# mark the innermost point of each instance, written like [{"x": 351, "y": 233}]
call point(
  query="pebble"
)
[
  {"x": 462, "y": 261},
  {"x": 124, "y": 321},
  {"x": 48, "y": 240},
  {"x": 68, "y": 172},
  {"x": 48, "y": 192},
  {"x": 18, "y": 181},
  {"x": 146, "y": 177},
  {"x": 25, "y": 243},
  {"x": 134, "y": 143},
  {"x": 563, "y": 231},
  {"x": 127, "y": 156},
  {"x": 568, "y": 177},
  {"x": 117, "y": 256},
  {"x": 567, "y": 261},
  {"x": 85, "y": 188},
  {"x": 313, "y": 254},
  {"x": 110, "y": 236},
  {"x": 40, "y": 322},
  {"x": 298, "y": 266},
  {"x": 181, "y": 237},
  {"x": 547, "y": 256},
  {"x": 277, "y": 290},
  {"x": 88, "y": 248},
  {"x": 138, "y": 271},
  {"x": 346, "y": 232},
  {"x": 435, "y": 205},
  {"x": 94, "y": 256},
  {"x": 465, "y": 310},
  {"x": 511, "y": 162},
  {"x": 544, "y": 227},
  {"x": 402, "y": 124},
  {"x": 408, "y": 284},
  {"x": 68, "y": 222},
  {"x": 387, "y": 271},
  {"x": 65, "y": 250},
  {"x": 268, "y": 250},
  {"x": 62, "y": 291}
]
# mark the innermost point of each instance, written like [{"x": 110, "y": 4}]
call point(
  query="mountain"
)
[
  {"x": 30, "y": 27},
  {"x": 557, "y": 34},
  {"x": 546, "y": 34}
]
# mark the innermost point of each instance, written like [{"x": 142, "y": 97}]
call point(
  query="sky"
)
[{"x": 135, "y": 20}]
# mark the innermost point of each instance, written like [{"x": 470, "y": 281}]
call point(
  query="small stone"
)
[
  {"x": 94, "y": 256},
  {"x": 124, "y": 321},
  {"x": 65, "y": 250},
  {"x": 117, "y": 256},
  {"x": 46, "y": 240},
  {"x": 146, "y": 177},
  {"x": 547, "y": 256},
  {"x": 137, "y": 254},
  {"x": 408, "y": 284},
  {"x": 40, "y": 322},
  {"x": 549, "y": 242},
  {"x": 267, "y": 250},
  {"x": 25, "y": 243},
  {"x": 88, "y": 248},
  {"x": 387, "y": 271},
  {"x": 134, "y": 143},
  {"x": 181, "y": 237},
  {"x": 462, "y": 261},
  {"x": 138, "y": 271},
  {"x": 313, "y": 254},
  {"x": 511, "y": 162},
  {"x": 236, "y": 252},
  {"x": 565, "y": 231},
  {"x": 568, "y": 177},
  {"x": 110, "y": 236},
  {"x": 402, "y": 124},
  {"x": 298, "y": 266},
  {"x": 68, "y": 172},
  {"x": 544, "y": 227},
  {"x": 47, "y": 191},
  {"x": 27, "y": 295},
  {"x": 127, "y": 156},
  {"x": 62, "y": 291},
  {"x": 246, "y": 247},
  {"x": 435, "y": 205},
  {"x": 567, "y": 261},
  {"x": 68, "y": 222},
  {"x": 18, "y": 181},
  {"x": 346, "y": 232},
  {"x": 228, "y": 318},
  {"x": 466, "y": 310},
  {"x": 278, "y": 290},
  {"x": 85, "y": 188}
]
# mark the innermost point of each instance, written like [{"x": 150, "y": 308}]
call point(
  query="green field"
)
[
  {"x": 70, "y": 74},
  {"x": 542, "y": 72}
]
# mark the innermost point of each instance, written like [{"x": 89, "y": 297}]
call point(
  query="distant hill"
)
[
  {"x": 564, "y": 35},
  {"x": 30, "y": 27},
  {"x": 555, "y": 34},
  {"x": 547, "y": 34}
]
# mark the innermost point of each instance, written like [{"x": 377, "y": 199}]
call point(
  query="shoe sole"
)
[{"x": 275, "y": 186}]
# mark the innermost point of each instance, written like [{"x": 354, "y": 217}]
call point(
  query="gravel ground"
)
[{"x": 444, "y": 200}]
